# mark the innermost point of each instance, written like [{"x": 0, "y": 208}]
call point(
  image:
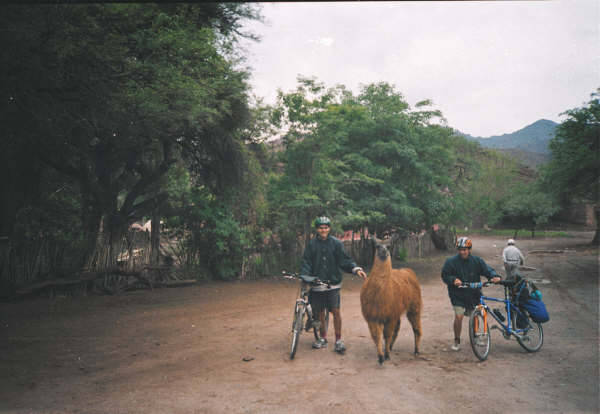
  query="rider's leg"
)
[
  {"x": 334, "y": 307},
  {"x": 458, "y": 326},
  {"x": 337, "y": 322},
  {"x": 459, "y": 314},
  {"x": 323, "y": 328}
]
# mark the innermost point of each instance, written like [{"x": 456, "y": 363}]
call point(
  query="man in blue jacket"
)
[
  {"x": 324, "y": 257},
  {"x": 459, "y": 269}
]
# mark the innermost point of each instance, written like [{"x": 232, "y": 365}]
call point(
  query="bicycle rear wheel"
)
[
  {"x": 532, "y": 338},
  {"x": 297, "y": 326},
  {"x": 479, "y": 335}
]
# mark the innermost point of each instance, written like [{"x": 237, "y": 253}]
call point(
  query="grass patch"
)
[{"x": 522, "y": 233}]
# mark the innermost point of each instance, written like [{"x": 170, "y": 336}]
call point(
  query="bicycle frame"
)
[
  {"x": 507, "y": 328},
  {"x": 303, "y": 299}
]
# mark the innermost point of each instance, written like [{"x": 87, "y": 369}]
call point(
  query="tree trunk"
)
[
  {"x": 155, "y": 239},
  {"x": 97, "y": 255},
  {"x": 307, "y": 228},
  {"x": 596, "y": 240}
]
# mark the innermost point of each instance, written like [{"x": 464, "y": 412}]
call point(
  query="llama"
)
[{"x": 385, "y": 296}]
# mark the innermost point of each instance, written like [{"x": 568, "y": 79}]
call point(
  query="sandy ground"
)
[{"x": 181, "y": 350}]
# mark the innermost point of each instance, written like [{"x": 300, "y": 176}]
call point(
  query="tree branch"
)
[{"x": 149, "y": 179}]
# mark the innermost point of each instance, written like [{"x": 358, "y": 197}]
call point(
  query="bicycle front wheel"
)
[
  {"x": 533, "y": 338},
  {"x": 479, "y": 335},
  {"x": 296, "y": 329}
]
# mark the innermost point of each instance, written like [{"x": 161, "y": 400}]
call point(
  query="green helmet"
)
[{"x": 323, "y": 220}]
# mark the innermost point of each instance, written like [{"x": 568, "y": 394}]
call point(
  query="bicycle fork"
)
[{"x": 484, "y": 313}]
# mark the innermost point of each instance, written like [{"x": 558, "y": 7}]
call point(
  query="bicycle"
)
[
  {"x": 530, "y": 337},
  {"x": 302, "y": 308}
]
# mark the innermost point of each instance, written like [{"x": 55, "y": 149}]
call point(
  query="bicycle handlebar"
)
[
  {"x": 474, "y": 285},
  {"x": 312, "y": 280},
  {"x": 477, "y": 285}
]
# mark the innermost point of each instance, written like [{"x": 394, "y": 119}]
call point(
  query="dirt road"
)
[{"x": 181, "y": 350}]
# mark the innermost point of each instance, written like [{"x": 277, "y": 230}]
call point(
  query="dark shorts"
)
[{"x": 329, "y": 299}]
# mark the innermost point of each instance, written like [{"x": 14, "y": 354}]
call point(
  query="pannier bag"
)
[
  {"x": 537, "y": 310},
  {"x": 528, "y": 297}
]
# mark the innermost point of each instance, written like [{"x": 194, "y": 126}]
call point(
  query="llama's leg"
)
[
  {"x": 376, "y": 330},
  {"x": 415, "y": 320},
  {"x": 389, "y": 330},
  {"x": 395, "y": 334}
]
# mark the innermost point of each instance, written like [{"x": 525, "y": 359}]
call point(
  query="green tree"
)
[
  {"x": 528, "y": 206},
  {"x": 108, "y": 95},
  {"x": 574, "y": 171},
  {"x": 369, "y": 160}
]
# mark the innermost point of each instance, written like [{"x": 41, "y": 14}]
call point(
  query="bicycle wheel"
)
[
  {"x": 296, "y": 329},
  {"x": 533, "y": 338},
  {"x": 479, "y": 335}
]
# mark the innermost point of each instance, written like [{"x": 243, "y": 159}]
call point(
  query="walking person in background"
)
[{"x": 513, "y": 258}]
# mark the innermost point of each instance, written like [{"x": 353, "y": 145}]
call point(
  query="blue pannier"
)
[{"x": 537, "y": 310}]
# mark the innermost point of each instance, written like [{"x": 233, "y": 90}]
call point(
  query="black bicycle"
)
[
  {"x": 529, "y": 334},
  {"x": 303, "y": 309}
]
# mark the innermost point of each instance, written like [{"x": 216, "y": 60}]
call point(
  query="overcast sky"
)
[{"x": 490, "y": 67}]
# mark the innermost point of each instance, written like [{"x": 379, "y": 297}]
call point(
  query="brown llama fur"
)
[{"x": 385, "y": 296}]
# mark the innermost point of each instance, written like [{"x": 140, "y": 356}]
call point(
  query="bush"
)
[{"x": 401, "y": 254}]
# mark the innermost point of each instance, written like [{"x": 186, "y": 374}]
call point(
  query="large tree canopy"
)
[
  {"x": 111, "y": 95},
  {"x": 574, "y": 171},
  {"x": 368, "y": 160}
]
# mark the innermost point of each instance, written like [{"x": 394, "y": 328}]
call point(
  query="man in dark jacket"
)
[
  {"x": 459, "y": 269},
  {"x": 324, "y": 257}
]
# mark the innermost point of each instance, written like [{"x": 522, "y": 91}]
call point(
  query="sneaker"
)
[
  {"x": 339, "y": 346},
  {"x": 321, "y": 343},
  {"x": 455, "y": 347}
]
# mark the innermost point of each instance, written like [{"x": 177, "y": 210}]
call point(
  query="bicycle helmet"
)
[
  {"x": 464, "y": 243},
  {"x": 510, "y": 242},
  {"x": 322, "y": 221}
]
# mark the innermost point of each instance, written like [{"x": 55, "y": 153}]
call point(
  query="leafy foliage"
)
[
  {"x": 528, "y": 206},
  {"x": 574, "y": 171},
  {"x": 107, "y": 98},
  {"x": 368, "y": 160}
]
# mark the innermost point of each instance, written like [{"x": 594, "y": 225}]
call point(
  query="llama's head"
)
[{"x": 381, "y": 252}]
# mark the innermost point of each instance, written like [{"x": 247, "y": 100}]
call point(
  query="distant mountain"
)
[{"x": 533, "y": 138}]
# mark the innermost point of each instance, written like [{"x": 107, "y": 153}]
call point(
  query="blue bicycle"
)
[{"x": 528, "y": 333}]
